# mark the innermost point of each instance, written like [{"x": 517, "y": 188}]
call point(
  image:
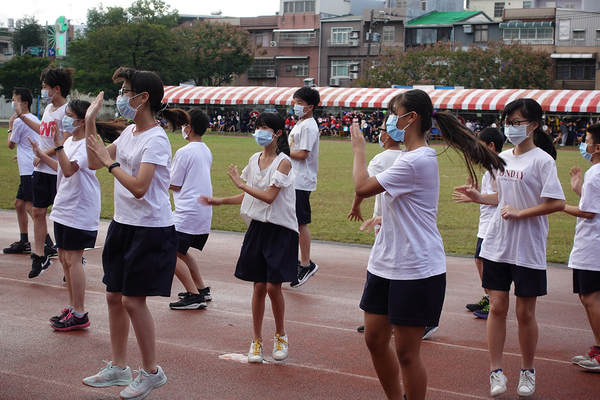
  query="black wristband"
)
[
  {"x": 57, "y": 148},
  {"x": 9, "y": 131},
  {"x": 111, "y": 166}
]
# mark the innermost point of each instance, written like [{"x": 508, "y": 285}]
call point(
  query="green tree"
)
[
  {"x": 30, "y": 33},
  {"x": 22, "y": 71},
  {"x": 215, "y": 51},
  {"x": 152, "y": 11}
]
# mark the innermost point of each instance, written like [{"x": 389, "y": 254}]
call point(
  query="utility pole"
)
[{"x": 370, "y": 35}]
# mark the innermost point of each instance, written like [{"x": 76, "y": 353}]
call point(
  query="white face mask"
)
[
  {"x": 46, "y": 95},
  {"x": 299, "y": 111},
  {"x": 184, "y": 133},
  {"x": 516, "y": 134}
]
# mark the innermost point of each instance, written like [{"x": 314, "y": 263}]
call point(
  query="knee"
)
[
  {"x": 114, "y": 299},
  {"x": 19, "y": 205},
  {"x": 273, "y": 290},
  {"x": 499, "y": 308},
  {"x": 260, "y": 289},
  {"x": 39, "y": 213},
  {"x": 525, "y": 315},
  {"x": 376, "y": 342}
]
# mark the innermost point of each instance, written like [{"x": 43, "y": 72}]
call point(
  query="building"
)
[
  {"x": 469, "y": 26},
  {"x": 6, "y": 51}
]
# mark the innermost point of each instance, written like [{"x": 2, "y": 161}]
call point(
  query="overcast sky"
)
[{"x": 76, "y": 11}]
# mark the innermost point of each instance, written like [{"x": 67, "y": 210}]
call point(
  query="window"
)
[
  {"x": 597, "y": 34},
  {"x": 575, "y": 69},
  {"x": 261, "y": 39},
  {"x": 569, "y": 6},
  {"x": 498, "y": 9},
  {"x": 564, "y": 29},
  {"x": 424, "y": 5},
  {"x": 527, "y": 33},
  {"x": 301, "y": 70},
  {"x": 389, "y": 33},
  {"x": 481, "y": 34},
  {"x": 291, "y": 7},
  {"x": 426, "y": 36},
  {"x": 339, "y": 69},
  {"x": 395, "y": 3},
  {"x": 261, "y": 68},
  {"x": 340, "y": 35},
  {"x": 296, "y": 38},
  {"x": 527, "y": 4},
  {"x": 578, "y": 34}
]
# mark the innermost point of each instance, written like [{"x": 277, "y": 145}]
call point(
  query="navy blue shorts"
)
[
  {"x": 186, "y": 241},
  {"x": 68, "y": 238},
  {"x": 138, "y": 260},
  {"x": 478, "y": 247},
  {"x": 416, "y": 302},
  {"x": 585, "y": 282},
  {"x": 44, "y": 189},
  {"x": 269, "y": 254},
  {"x": 25, "y": 190},
  {"x": 529, "y": 282},
  {"x": 303, "y": 212}
]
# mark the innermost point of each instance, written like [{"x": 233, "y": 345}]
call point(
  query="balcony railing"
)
[{"x": 347, "y": 43}]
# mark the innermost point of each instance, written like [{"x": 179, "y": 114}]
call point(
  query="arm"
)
[
  {"x": 11, "y": 144},
  {"x": 91, "y": 139},
  {"x": 269, "y": 195},
  {"x": 576, "y": 212},
  {"x": 217, "y": 201},
  {"x": 355, "y": 212},
  {"x": 68, "y": 168},
  {"x": 576, "y": 181},
  {"x": 548, "y": 207},
  {"x": 299, "y": 154},
  {"x": 364, "y": 185},
  {"x": 474, "y": 195},
  {"x": 20, "y": 113},
  {"x": 43, "y": 157}
]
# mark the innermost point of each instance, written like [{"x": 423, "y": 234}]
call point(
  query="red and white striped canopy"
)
[{"x": 587, "y": 101}]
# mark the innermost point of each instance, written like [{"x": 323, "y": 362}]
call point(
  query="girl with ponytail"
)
[{"x": 406, "y": 273}]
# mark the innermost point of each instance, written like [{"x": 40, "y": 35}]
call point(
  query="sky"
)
[{"x": 76, "y": 11}]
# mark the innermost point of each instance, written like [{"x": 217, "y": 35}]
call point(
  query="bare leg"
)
[
  {"x": 118, "y": 320},
  {"x": 591, "y": 302},
  {"x": 479, "y": 265},
  {"x": 21, "y": 208},
  {"x": 258, "y": 308},
  {"x": 496, "y": 327},
  {"x": 378, "y": 333},
  {"x": 143, "y": 325},
  {"x": 408, "y": 349},
  {"x": 278, "y": 306},
  {"x": 40, "y": 229},
  {"x": 528, "y": 329},
  {"x": 304, "y": 241},
  {"x": 183, "y": 274},
  {"x": 75, "y": 277},
  {"x": 190, "y": 261},
  {"x": 62, "y": 255}
]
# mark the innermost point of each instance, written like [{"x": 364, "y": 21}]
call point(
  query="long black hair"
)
[
  {"x": 109, "y": 131},
  {"x": 276, "y": 122}
]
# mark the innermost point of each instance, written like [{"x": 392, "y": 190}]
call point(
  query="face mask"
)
[
  {"x": 12, "y": 105},
  {"x": 46, "y": 96},
  {"x": 125, "y": 108},
  {"x": 396, "y": 134},
  {"x": 184, "y": 133},
  {"x": 68, "y": 124},
  {"x": 583, "y": 150},
  {"x": 516, "y": 134},
  {"x": 380, "y": 142},
  {"x": 299, "y": 111},
  {"x": 262, "y": 137}
]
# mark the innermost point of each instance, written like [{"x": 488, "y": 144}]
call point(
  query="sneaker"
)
[
  {"x": 479, "y": 305},
  {"x": 497, "y": 383},
  {"x": 255, "y": 353},
  {"x": 304, "y": 273},
  {"x": 143, "y": 384},
  {"x": 594, "y": 351},
  {"x": 189, "y": 302},
  {"x": 361, "y": 328},
  {"x": 18, "y": 248},
  {"x": 205, "y": 292},
  {"x": 280, "y": 347},
  {"x": 109, "y": 376},
  {"x": 50, "y": 251},
  {"x": 483, "y": 313},
  {"x": 71, "y": 322},
  {"x": 39, "y": 265},
  {"x": 429, "y": 331},
  {"x": 592, "y": 364},
  {"x": 60, "y": 316},
  {"x": 526, "y": 386}
]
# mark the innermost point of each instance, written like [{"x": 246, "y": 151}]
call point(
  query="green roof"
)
[{"x": 443, "y": 18}]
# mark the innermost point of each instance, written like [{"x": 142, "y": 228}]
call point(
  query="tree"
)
[
  {"x": 152, "y": 11},
  {"x": 496, "y": 66},
  {"x": 22, "y": 71},
  {"x": 216, "y": 51},
  {"x": 30, "y": 33}
]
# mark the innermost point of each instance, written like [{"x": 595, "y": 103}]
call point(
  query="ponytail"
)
[
  {"x": 276, "y": 122},
  {"x": 177, "y": 117},
  {"x": 110, "y": 130}
]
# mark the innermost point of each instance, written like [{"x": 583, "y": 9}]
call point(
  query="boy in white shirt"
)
[{"x": 304, "y": 145}]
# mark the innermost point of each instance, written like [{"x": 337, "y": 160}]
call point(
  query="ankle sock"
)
[
  {"x": 496, "y": 370},
  {"x": 24, "y": 238},
  {"x": 530, "y": 370},
  {"x": 75, "y": 313}
]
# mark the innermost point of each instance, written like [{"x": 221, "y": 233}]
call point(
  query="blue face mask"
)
[
  {"x": 46, "y": 95},
  {"x": 262, "y": 137},
  {"x": 125, "y": 108},
  {"x": 583, "y": 150},
  {"x": 396, "y": 134},
  {"x": 67, "y": 123}
]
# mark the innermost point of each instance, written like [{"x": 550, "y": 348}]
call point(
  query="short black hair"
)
[
  {"x": 199, "y": 121},
  {"x": 25, "y": 95},
  {"x": 594, "y": 131},
  {"x": 57, "y": 76},
  {"x": 309, "y": 95},
  {"x": 492, "y": 135},
  {"x": 143, "y": 81}
]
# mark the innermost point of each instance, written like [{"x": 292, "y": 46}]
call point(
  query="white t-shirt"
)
[
  {"x": 49, "y": 119},
  {"x": 528, "y": 180},
  {"x": 77, "y": 202},
  {"x": 305, "y": 136},
  {"x": 486, "y": 211},
  {"x": 587, "y": 233},
  {"x": 191, "y": 171},
  {"x": 409, "y": 246},
  {"x": 378, "y": 164},
  {"x": 152, "y": 147},
  {"x": 282, "y": 211},
  {"x": 19, "y": 135}
]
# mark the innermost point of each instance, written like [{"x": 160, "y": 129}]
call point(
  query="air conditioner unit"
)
[
  {"x": 468, "y": 28},
  {"x": 353, "y": 75},
  {"x": 353, "y": 67},
  {"x": 273, "y": 43},
  {"x": 270, "y": 73},
  {"x": 310, "y": 82},
  {"x": 295, "y": 67},
  {"x": 354, "y": 35},
  {"x": 334, "y": 81},
  {"x": 288, "y": 68},
  {"x": 353, "y": 42}
]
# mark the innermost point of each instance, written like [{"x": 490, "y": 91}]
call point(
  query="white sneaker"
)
[
  {"x": 280, "y": 347},
  {"x": 109, "y": 376},
  {"x": 429, "y": 332},
  {"x": 143, "y": 384},
  {"x": 526, "y": 384},
  {"x": 591, "y": 364},
  {"x": 497, "y": 383},
  {"x": 255, "y": 353},
  {"x": 594, "y": 351}
]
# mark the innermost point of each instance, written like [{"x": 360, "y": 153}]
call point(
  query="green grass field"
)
[{"x": 333, "y": 198}]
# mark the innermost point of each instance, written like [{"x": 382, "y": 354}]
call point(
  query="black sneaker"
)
[
  {"x": 480, "y": 305},
  {"x": 189, "y": 302},
  {"x": 361, "y": 328},
  {"x": 39, "y": 265},
  {"x": 63, "y": 314},
  {"x": 304, "y": 273},
  {"x": 71, "y": 322},
  {"x": 18, "y": 248},
  {"x": 50, "y": 251},
  {"x": 205, "y": 292}
]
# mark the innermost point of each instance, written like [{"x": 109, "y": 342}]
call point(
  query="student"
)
[
  {"x": 406, "y": 274},
  {"x": 269, "y": 254},
  {"x": 584, "y": 258},
  {"x": 190, "y": 178},
  {"x": 494, "y": 140},
  {"x": 140, "y": 251},
  {"x": 18, "y": 134},
  {"x": 514, "y": 247},
  {"x": 76, "y": 209},
  {"x": 304, "y": 151},
  {"x": 56, "y": 85}
]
